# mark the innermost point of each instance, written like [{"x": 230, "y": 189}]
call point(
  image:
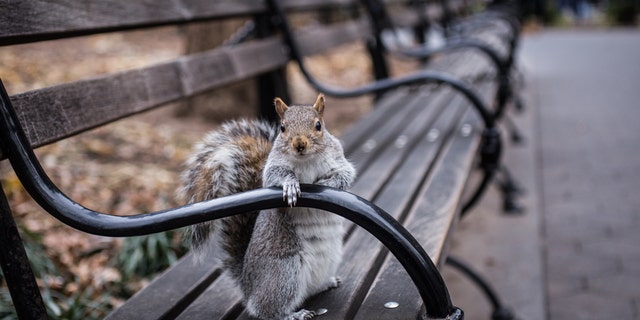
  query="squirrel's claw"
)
[
  {"x": 301, "y": 315},
  {"x": 290, "y": 192}
]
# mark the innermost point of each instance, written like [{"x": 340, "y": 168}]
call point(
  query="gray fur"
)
[
  {"x": 299, "y": 248},
  {"x": 217, "y": 169},
  {"x": 280, "y": 256}
]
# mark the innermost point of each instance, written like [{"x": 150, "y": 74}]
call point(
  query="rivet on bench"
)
[
  {"x": 433, "y": 135},
  {"x": 369, "y": 145},
  {"x": 391, "y": 305},
  {"x": 466, "y": 130},
  {"x": 401, "y": 141}
]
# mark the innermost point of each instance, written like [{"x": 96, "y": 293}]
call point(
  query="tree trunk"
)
[{"x": 233, "y": 101}]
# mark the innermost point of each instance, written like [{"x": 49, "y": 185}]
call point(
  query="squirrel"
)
[{"x": 278, "y": 257}]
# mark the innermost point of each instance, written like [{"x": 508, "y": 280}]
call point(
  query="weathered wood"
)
[
  {"x": 53, "y": 113},
  {"x": 316, "y": 40},
  {"x": 436, "y": 210},
  {"x": 163, "y": 299},
  {"x": 29, "y": 21},
  {"x": 222, "y": 300}
]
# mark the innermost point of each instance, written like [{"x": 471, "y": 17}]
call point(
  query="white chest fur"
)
[{"x": 310, "y": 169}]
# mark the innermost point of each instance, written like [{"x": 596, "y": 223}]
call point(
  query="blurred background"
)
[{"x": 133, "y": 165}]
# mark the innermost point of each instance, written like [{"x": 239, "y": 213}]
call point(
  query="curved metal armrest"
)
[
  {"x": 380, "y": 224},
  {"x": 478, "y": 19},
  {"x": 457, "y": 44},
  {"x": 502, "y": 66},
  {"x": 380, "y": 85}
]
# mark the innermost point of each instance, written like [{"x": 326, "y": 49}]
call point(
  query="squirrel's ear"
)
[
  {"x": 281, "y": 107},
  {"x": 319, "y": 105}
]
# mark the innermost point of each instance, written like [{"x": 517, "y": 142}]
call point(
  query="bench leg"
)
[
  {"x": 16, "y": 267},
  {"x": 519, "y": 82},
  {"x": 510, "y": 190},
  {"x": 500, "y": 312},
  {"x": 514, "y": 133}
]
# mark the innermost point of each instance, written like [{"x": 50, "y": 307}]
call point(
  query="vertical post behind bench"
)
[{"x": 272, "y": 84}]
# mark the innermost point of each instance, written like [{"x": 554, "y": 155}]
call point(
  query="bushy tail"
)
[{"x": 227, "y": 161}]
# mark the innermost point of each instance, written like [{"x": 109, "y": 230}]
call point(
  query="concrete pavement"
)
[{"x": 575, "y": 254}]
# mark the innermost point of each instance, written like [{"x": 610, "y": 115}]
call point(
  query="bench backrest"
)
[{"x": 81, "y": 105}]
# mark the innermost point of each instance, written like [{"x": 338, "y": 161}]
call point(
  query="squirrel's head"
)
[{"x": 301, "y": 127}]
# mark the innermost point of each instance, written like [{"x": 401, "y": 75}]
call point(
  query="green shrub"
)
[
  {"x": 623, "y": 12},
  {"x": 146, "y": 255}
]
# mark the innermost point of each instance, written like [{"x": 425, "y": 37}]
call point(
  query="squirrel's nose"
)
[{"x": 299, "y": 144}]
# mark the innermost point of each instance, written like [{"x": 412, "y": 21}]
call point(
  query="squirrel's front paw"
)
[
  {"x": 301, "y": 315},
  {"x": 334, "y": 282},
  {"x": 290, "y": 192}
]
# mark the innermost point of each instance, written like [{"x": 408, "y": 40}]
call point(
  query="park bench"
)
[
  {"x": 414, "y": 151},
  {"x": 493, "y": 34}
]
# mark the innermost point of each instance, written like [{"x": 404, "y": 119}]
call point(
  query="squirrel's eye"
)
[
  {"x": 282, "y": 127},
  {"x": 318, "y": 126}
]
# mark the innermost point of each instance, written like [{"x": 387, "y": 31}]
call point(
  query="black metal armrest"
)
[{"x": 453, "y": 44}]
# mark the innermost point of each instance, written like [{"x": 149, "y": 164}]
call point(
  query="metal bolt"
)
[
  {"x": 433, "y": 135},
  {"x": 401, "y": 141},
  {"x": 466, "y": 130},
  {"x": 369, "y": 145}
]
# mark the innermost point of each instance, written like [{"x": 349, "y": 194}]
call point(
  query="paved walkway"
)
[
  {"x": 587, "y": 92},
  {"x": 576, "y": 253}
]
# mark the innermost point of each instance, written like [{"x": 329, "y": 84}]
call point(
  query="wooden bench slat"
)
[
  {"x": 83, "y": 105},
  {"x": 222, "y": 300},
  {"x": 318, "y": 39},
  {"x": 174, "y": 289},
  {"x": 356, "y": 135},
  {"x": 379, "y": 140},
  {"x": 51, "y": 19},
  {"x": 419, "y": 160},
  {"x": 424, "y": 107},
  {"x": 416, "y": 160},
  {"x": 54, "y": 19},
  {"x": 436, "y": 210},
  {"x": 54, "y": 113}
]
